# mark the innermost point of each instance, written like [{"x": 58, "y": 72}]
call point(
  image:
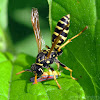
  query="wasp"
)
[{"x": 46, "y": 57}]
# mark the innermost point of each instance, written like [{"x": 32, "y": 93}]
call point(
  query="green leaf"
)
[
  {"x": 21, "y": 88},
  {"x": 83, "y": 54},
  {"x": 5, "y": 77}
]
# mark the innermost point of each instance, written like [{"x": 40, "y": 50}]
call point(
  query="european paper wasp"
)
[{"x": 47, "y": 57}]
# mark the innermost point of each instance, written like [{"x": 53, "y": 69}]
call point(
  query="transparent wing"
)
[{"x": 36, "y": 27}]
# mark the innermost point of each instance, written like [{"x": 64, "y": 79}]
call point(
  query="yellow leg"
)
[
  {"x": 56, "y": 80},
  {"x": 70, "y": 72},
  {"x": 58, "y": 67},
  {"x": 69, "y": 40},
  {"x": 64, "y": 66},
  {"x": 35, "y": 80},
  {"x": 55, "y": 77}
]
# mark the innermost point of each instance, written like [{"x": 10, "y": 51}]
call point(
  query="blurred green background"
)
[{"x": 16, "y": 21}]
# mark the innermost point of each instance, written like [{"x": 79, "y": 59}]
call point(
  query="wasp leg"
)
[
  {"x": 35, "y": 80},
  {"x": 55, "y": 77},
  {"x": 58, "y": 67},
  {"x": 69, "y": 40},
  {"x": 28, "y": 70},
  {"x": 65, "y": 68}
]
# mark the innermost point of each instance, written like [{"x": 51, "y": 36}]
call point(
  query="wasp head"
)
[{"x": 37, "y": 69}]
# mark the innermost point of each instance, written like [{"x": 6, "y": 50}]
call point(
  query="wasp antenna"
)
[
  {"x": 28, "y": 70},
  {"x": 20, "y": 72}
]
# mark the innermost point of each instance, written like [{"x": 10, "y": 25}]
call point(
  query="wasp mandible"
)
[{"x": 47, "y": 57}]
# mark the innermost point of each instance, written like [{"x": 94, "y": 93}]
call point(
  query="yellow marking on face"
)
[{"x": 40, "y": 69}]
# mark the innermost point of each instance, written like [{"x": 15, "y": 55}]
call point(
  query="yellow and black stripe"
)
[{"x": 61, "y": 29}]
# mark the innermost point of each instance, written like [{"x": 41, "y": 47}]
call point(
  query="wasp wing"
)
[{"x": 36, "y": 27}]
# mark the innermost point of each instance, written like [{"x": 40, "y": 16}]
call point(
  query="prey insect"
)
[
  {"x": 46, "y": 76},
  {"x": 47, "y": 57}
]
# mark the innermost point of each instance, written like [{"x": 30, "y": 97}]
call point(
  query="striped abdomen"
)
[{"x": 61, "y": 29}]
